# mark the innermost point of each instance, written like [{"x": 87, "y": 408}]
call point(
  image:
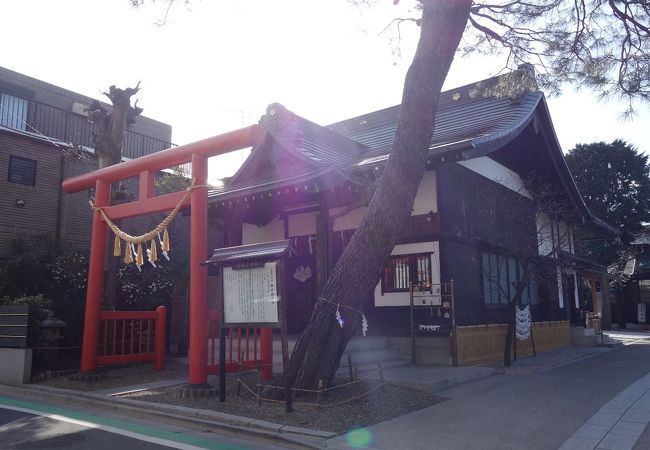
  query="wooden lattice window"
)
[{"x": 401, "y": 269}]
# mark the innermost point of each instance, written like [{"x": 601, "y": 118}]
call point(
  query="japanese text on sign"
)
[{"x": 250, "y": 295}]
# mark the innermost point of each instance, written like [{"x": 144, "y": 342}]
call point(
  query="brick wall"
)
[{"x": 38, "y": 215}]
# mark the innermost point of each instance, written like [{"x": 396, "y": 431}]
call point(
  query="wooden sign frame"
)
[{"x": 252, "y": 261}]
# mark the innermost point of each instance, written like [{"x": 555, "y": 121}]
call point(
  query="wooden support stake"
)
[
  {"x": 454, "y": 329},
  {"x": 350, "y": 366},
  {"x": 259, "y": 386},
  {"x": 222, "y": 361},
  {"x": 514, "y": 340},
  {"x": 532, "y": 339},
  {"x": 320, "y": 389}
]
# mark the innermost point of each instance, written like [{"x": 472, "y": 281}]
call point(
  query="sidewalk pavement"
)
[
  {"x": 600, "y": 403},
  {"x": 431, "y": 379},
  {"x": 427, "y": 379},
  {"x": 618, "y": 424}
]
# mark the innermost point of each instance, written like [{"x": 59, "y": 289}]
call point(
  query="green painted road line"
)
[{"x": 117, "y": 425}]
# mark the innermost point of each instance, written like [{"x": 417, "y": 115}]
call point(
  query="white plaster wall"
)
[
  {"x": 254, "y": 234},
  {"x": 427, "y": 197},
  {"x": 498, "y": 173},
  {"x": 426, "y": 200},
  {"x": 552, "y": 234},
  {"x": 402, "y": 298},
  {"x": 350, "y": 221},
  {"x": 302, "y": 224}
]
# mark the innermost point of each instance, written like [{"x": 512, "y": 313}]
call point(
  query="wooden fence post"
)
[{"x": 161, "y": 325}]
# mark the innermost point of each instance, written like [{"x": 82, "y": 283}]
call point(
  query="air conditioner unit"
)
[{"x": 79, "y": 108}]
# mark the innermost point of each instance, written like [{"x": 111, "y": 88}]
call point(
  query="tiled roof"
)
[
  {"x": 482, "y": 122},
  {"x": 251, "y": 252},
  {"x": 318, "y": 144}
]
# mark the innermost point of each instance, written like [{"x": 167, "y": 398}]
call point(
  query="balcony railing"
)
[{"x": 67, "y": 126}]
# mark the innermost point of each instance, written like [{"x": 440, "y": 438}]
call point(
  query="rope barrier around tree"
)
[
  {"x": 131, "y": 253},
  {"x": 318, "y": 392}
]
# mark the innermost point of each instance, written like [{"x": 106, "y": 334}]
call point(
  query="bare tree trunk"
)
[
  {"x": 520, "y": 286},
  {"x": 317, "y": 353},
  {"x": 108, "y": 137}
]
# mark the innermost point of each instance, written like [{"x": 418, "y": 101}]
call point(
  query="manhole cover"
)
[{"x": 60, "y": 441}]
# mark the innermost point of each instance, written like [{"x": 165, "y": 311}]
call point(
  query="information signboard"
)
[
  {"x": 250, "y": 295},
  {"x": 641, "y": 317},
  {"x": 427, "y": 297}
]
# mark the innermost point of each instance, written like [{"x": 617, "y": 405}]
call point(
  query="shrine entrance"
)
[{"x": 148, "y": 202}]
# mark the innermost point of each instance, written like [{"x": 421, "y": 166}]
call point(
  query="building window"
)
[
  {"x": 400, "y": 270},
  {"x": 13, "y": 111},
  {"x": 22, "y": 171},
  {"x": 644, "y": 291},
  {"x": 499, "y": 274}
]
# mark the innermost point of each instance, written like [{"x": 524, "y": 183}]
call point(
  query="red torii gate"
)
[{"x": 145, "y": 167}]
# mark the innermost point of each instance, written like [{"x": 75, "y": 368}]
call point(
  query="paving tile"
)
[
  {"x": 604, "y": 418},
  {"x": 617, "y": 407},
  {"x": 577, "y": 443},
  {"x": 615, "y": 441},
  {"x": 628, "y": 428},
  {"x": 592, "y": 431},
  {"x": 636, "y": 417}
]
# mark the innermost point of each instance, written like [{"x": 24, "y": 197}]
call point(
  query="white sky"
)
[{"x": 217, "y": 64}]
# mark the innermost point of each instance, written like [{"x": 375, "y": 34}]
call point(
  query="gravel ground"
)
[
  {"x": 382, "y": 404},
  {"x": 125, "y": 376}
]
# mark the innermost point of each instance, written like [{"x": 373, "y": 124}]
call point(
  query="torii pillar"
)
[{"x": 199, "y": 273}]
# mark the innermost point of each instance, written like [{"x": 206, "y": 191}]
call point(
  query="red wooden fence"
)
[
  {"x": 132, "y": 336},
  {"x": 244, "y": 348}
]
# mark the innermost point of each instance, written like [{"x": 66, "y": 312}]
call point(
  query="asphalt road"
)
[
  {"x": 29, "y": 425},
  {"x": 535, "y": 411}
]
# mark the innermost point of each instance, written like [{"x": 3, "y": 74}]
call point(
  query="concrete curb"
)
[{"x": 235, "y": 426}]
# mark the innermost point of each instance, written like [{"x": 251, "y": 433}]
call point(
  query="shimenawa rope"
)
[{"x": 131, "y": 241}]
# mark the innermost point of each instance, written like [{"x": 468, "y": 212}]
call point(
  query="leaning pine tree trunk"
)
[{"x": 318, "y": 351}]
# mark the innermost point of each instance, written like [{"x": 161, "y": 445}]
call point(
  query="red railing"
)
[
  {"x": 244, "y": 348},
  {"x": 132, "y": 336}
]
